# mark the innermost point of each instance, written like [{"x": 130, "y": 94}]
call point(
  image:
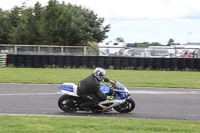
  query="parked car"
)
[
  {"x": 135, "y": 52},
  {"x": 146, "y": 52},
  {"x": 156, "y": 53},
  {"x": 103, "y": 53}
]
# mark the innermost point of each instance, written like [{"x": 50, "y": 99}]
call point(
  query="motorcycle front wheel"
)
[
  {"x": 126, "y": 107},
  {"x": 67, "y": 103}
]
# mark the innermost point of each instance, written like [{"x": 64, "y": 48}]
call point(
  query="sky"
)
[{"x": 140, "y": 20}]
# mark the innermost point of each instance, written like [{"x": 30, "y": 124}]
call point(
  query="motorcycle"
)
[{"x": 122, "y": 102}]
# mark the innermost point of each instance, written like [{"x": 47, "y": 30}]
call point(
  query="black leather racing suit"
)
[{"x": 89, "y": 91}]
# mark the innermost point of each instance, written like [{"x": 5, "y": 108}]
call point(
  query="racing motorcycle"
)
[{"x": 122, "y": 102}]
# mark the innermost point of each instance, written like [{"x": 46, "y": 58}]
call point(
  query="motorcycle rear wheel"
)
[
  {"x": 67, "y": 103},
  {"x": 126, "y": 107}
]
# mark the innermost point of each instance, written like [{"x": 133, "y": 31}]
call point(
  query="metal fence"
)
[{"x": 49, "y": 50}]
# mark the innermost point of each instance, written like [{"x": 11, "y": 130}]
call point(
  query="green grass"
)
[
  {"x": 176, "y": 79},
  {"x": 45, "y": 124}
]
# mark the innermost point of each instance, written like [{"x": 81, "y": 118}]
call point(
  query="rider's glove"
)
[
  {"x": 106, "y": 79},
  {"x": 109, "y": 97}
]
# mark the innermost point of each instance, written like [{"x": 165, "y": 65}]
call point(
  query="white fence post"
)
[
  {"x": 62, "y": 49},
  {"x": 39, "y": 49},
  {"x": 85, "y": 51},
  {"x": 15, "y": 49}
]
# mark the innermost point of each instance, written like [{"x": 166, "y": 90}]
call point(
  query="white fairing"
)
[
  {"x": 115, "y": 102},
  {"x": 75, "y": 89},
  {"x": 74, "y": 93}
]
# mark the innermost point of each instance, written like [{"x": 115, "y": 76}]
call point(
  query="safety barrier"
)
[
  {"x": 107, "y": 62},
  {"x": 3, "y": 58}
]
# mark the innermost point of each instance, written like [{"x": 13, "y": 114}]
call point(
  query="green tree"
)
[
  {"x": 72, "y": 25},
  {"x": 24, "y": 32},
  {"x": 170, "y": 42},
  {"x": 15, "y": 21},
  {"x": 5, "y": 26},
  {"x": 27, "y": 30},
  {"x": 55, "y": 24},
  {"x": 155, "y": 44},
  {"x": 15, "y": 16},
  {"x": 37, "y": 13},
  {"x": 50, "y": 27},
  {"x": 119, "y": 39},
  {"x": 143, "y": 45}
]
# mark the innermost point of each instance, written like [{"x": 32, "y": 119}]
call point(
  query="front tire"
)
[
  {"x": 67, "y": 103},
  {"x": 126, "y": 107}
]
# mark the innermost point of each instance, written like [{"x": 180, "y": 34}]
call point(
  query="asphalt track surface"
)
[{"x": 151, "y": 103}]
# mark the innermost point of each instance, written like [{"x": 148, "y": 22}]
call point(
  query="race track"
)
[{"x": 151, "y": 103}]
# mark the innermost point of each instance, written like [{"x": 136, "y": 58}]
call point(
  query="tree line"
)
[
  {"x": 55, "y": 24},
  {"x": 147, "y": 44}
]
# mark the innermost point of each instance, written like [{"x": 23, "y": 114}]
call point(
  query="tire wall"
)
[
  {"x": 106, "y": 62},
  {"x": 3, "y": 60}
]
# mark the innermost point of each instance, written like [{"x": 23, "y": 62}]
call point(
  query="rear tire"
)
[
  {"x": 67, "y": 103},
  {"x": 126, "y": 107}
]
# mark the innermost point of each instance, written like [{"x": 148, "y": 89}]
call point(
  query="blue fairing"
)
[
  {"x": 105, "y": 89},
  {"x": 122, "y": 93},
  {"x": 66, "y": 87}
]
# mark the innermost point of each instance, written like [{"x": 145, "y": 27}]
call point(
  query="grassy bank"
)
[
  {"x": 42, "y": 124},
  {"x": 177, "y": 79}
]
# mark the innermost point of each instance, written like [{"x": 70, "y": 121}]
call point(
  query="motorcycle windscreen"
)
[{"x": 119, "y": 86}]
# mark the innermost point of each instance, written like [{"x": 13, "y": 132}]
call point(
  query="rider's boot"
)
[{"x": 87, "y": 109}]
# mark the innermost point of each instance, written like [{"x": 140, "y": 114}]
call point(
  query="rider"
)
[{"x": 89, "y": 88}]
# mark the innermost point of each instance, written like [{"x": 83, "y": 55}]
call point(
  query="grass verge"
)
[
  {"x": 168, "y": 79},
  {"x": 45, "y": 124}
]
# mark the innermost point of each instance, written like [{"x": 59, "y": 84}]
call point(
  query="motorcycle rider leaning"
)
[{"x": 89, "y": 89}]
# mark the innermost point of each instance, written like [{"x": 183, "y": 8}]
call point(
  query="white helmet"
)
[{"x": 99, "y": 73}]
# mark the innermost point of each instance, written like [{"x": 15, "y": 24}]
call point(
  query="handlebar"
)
[{"x": 113, "y": 93}]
